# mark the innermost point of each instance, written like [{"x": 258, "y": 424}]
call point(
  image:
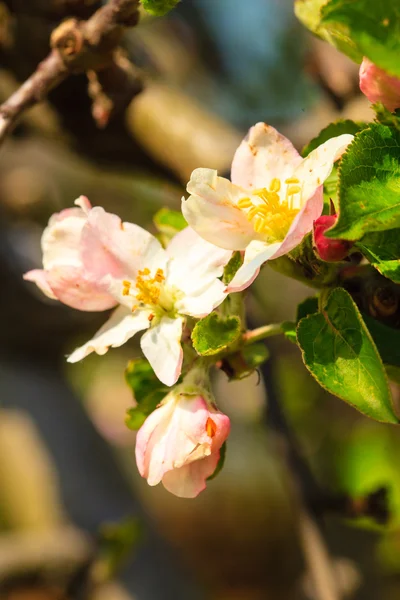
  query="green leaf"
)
[
  {"x": 169, "y": 223},
  {"x": 245, "y": 361},
  {"x": 147, "y": 390},
  {"x": 159, "y": 8},
  {"x": 307, "y": 307},
  {"x": 372, "y": 26},
  {"x": 382, "y": 249},
  {"x": 309, "y": 12},
  {"x": 231, "y": 268},
  {"x": 339, "y": 352},
  {"x": 213, "y": 334},
  {"x": 333, "y": 130},
  {"x": 220, "y": 464},
  {"x": 369, "y": 186},
  {"x": 387, "y": 340}
]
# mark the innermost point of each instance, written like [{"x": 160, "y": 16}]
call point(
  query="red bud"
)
[{"x": 327, "y": 249}]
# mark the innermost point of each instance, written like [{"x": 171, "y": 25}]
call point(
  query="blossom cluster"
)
[{"x": 92, "y": 261}]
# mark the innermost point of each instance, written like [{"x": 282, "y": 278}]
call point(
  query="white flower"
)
[
  {"x": 271, "y": 204},
  {"x": 156, "y": 288}
]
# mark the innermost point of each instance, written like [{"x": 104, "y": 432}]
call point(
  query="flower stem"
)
[{"x": 255, "y": 335}]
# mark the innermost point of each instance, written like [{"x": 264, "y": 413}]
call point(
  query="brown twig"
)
[{"x": 78, "y": 47}]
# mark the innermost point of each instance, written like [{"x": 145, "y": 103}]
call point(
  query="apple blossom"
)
[
  {"x": 270, "y": 205},
  {"x": 64, "y": 276},
  {"x": 379, "y": 86},
  {"x": 179, "y": 443},
  {"x": 100, "y": 262}
]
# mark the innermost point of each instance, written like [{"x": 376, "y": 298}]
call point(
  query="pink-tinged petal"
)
[
  {"x": 39, "y": 276},
  {"x": 72, "y": 286},
  {"x": 121, "y": 326},
  {"x": 302, "y": 224},
  {"x": 256, "y": 254},
  {"x": 379, "y": 86},
  {"x": 190, "y": 479},
  {"x": 61, "y": 239},
  {"x": 110, "y": 247},
  {"x": 161, "y": 345},
  {"x": 202, "y": 304},
  {"x": 196, "y": 263},
  {"x": 212, "y": 212},
  {"x": 263, "y": 155},
  {"x": 84, "y": 204},
  {"x": 180, "y": 442},
  {"x": 150, "y": 440},
  {"x": 318, "y": 165}
]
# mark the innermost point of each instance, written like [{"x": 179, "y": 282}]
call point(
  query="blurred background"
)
[{"x": 67, "y": 469}]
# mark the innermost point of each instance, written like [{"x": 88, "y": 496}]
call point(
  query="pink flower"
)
[
  {"x": 328, "y": 249},
  {"x": 271, "y": 204},
  {"x": 93, "y": 261},
  {"x": 64, "y": 276},
  {"x": 179, "y": 444},
  {"x": 378, "y": 86}
]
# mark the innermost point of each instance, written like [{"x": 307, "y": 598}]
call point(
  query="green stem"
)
[{"x": 261, "y": 333}]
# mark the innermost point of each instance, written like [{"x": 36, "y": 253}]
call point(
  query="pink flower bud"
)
[
  {"x": 179, "y": 444},
  {"x": 378, "y": 86},
  {"x": 328, "y": 249}
]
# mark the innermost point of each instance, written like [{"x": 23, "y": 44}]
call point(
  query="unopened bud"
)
[
  {"x": 379, "y": 86},
  {"x": 328, "y": 249}
]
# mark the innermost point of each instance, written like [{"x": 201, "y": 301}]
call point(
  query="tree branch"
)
[{"x": 79, "y": 47}]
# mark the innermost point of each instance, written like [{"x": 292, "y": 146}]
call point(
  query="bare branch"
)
[{"x": 77, "y": 47}]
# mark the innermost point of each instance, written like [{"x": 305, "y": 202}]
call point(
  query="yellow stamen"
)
[
  {"x": 252, "y": 213},
  {"x": 293, "y": 189},
  {"x": 149, "y": 288},
  {"x": 275, "y": 185},
  {"x": 258, "y": 224},
  {"x": 244, "y": 203},
  {"x": 292, "y": 180}
]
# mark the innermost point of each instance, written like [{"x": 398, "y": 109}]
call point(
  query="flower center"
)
[
  {"x": 151, "y": 291},
  {"x": 272, "y": 217}
]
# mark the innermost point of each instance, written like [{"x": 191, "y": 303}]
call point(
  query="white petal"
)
[
  {"x": 317, "y": 166},
  {"x": 263, "y": 155},
  {"x": 202, "y": 304},
  {"x": 61, "y": 238},
  {"x": 161, "y": 345},
  {"x": 256, "y": 254},
  {"x": 119, "y": 249},
  {"x": 196, "y": 263},
  {"x": 212, "y": 212},
  {"x": 120, "y": 327}
]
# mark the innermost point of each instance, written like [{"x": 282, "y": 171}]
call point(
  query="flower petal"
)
[
  {"x": 379, "y": 86},
  {"x": 72, "y": 286},
  {"x": 151, "y": 440},
  {"x": 317, "y": 166},
  {"x": 120, "y": 327},
  {"x": 110, "y": 247},
  {"x": 196, "y": 263},
  {"x": 302, "y": 223},
  {"x": 61, "y": 238},
  {"x": 39, "y": 276},
  {"x": 255, "y": 255},
  {"x": 212, "y": 212},
  {"x": 202, "y": 304},
  {"x": 190, "y": 479},
  {"x": 161, "y": 345},
  {"x": 263, "y": 155}
]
